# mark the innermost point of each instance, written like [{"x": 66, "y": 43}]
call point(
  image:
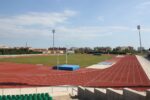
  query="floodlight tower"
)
[
  {"x": 140, "y": 41},
  {"x": 53, "y": 31},
  {"x": 26, "y": 44},
  {"x": 57, "y": 50}
]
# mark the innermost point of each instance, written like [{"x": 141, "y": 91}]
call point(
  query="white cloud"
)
[
  {"x": 37, "y": 24},
  {"x": 33, "y": 18},
  {"x": 89, "y": 32},
  {"x": 143, "y": 5},
  {"x": 94, "y": 32},
  {"x": 33, "y": 23},
  {"x": 100, "y": 18},
  {"x": 143, "y": 8}
]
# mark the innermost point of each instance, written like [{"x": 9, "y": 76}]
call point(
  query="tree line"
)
[
  {"x": 9, "y": 51},
  {"x": 106, "y": 50}
]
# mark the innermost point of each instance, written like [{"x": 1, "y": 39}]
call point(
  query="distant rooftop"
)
[{"x": 4, "y": 46}]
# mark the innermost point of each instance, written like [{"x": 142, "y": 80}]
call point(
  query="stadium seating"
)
[{"x": 41, "y": 96}]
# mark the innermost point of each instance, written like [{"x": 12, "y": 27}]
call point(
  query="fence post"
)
[
  {"x": 36, "y": 90},
  {"x": 67, "y": 88},
  {"x": 2, "y": 91},
  {"x": 52, "y": 89},
  {"x": 72, "y": 90},
  {"x": 20, "y": 90}
]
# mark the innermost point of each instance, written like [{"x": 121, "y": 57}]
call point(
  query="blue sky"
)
[{"x": 78, "y": 23}]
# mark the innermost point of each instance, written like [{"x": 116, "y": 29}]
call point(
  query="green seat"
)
[
  {"x": 17, "y": 96},
  {"x": 5, "y": 97},
  {"x": 50, "y": 98},
  {"x": 47, "y": 94},
  {"x": 39, "y": 96},
  {"x": 0, "y": 97},
  {"x": 9, "y": 97},
  {"x": 25, "y": 97},
  {"x": 13, "y": 97}
]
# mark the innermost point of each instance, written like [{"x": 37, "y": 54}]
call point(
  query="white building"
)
[{"x": 4, "y": 47}]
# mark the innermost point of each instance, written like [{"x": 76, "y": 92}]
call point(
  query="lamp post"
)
[{"x": 139, "y": 27}]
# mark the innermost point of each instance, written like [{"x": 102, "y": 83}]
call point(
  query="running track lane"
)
[{"x": 127, "y": 72}]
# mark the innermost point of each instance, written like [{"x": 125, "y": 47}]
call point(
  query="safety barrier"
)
[{"x": 32, "y": 90}]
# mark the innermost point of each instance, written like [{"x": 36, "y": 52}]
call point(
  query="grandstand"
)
[{"x": 125, "y": 77}]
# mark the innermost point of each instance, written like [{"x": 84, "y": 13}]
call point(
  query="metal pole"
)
[
  {"x": 36, "y": 89},
  {"x": 53, "y": 31},
  {"x": 140, "y": 41},
  {"x": 2, "y": 91},
  {"x": 20, "y": 90},
  {"x": 66, "y": 56},
  {"x": 58, "y": 56},
  {"x": 52, "y": 89},
  {"x": 26, "y": 45}
]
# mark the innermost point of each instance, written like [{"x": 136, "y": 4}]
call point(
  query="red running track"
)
[{"x": 127, "y": 72}]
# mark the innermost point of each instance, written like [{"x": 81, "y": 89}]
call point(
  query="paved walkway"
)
[{"x": 145, "y": 65}]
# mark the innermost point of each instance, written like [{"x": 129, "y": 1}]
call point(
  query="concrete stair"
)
[{"x": 86, "y": 93}]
